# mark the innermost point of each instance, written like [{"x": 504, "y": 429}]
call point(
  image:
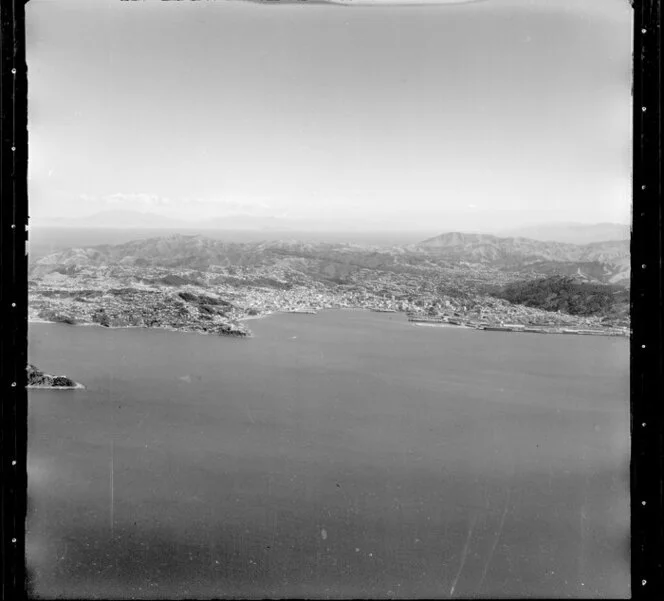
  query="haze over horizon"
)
[{"x": 475, "y": 116}]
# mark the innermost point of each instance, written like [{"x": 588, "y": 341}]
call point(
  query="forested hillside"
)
[{"x": 566, "y": 294}]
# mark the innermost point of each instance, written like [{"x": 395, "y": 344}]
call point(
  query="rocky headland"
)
[{"x": 39, "y": 379}]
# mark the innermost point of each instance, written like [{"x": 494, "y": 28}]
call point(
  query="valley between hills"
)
[{"x": 198, "y": 284}]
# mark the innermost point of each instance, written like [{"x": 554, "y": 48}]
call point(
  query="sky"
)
[{"x": 380, "y": 115}]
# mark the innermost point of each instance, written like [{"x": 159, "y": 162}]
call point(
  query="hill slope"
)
[{"x": 607, "y": 262}]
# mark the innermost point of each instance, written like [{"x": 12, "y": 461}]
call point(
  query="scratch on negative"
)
[
  {"x": 495, "y": 541},
  {"x": 112, "y": 519},
  {"x": 464, "y": 555}
]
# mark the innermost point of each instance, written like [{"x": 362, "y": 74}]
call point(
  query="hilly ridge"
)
[{"x": 605, "y": 262}]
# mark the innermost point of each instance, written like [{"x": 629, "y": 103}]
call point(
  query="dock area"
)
[{"x": 519, "y": 327}]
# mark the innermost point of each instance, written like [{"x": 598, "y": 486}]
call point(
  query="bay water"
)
[{"x": 344, "y": 454}]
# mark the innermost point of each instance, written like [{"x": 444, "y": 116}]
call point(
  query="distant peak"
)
[{"x": 454, "y": 238}]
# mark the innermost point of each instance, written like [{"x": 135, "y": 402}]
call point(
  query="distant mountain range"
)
[
  {"x": 573, "y": 233},
  {"x": 569, "y": 232},
  {"x": 606, "y": 262},
  {"x": 122, "y": 219},
  {"x": 110, "y": 219}
]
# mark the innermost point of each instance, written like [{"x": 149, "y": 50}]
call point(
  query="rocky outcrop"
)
[{"x": 38, "y": 379}]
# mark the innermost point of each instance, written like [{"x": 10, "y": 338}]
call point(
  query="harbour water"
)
[{"x": 344, "y": 454}]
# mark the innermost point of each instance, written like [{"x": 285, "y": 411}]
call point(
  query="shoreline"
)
[
  {"x": 522, "y": 330},
  {"x": 560, "y": 330},
  {"x": 40, "y": 387},
  {"x": 424, "y": 324},
  {"x": 249, "y": 334},
  {"x": 268, "y": 313}
]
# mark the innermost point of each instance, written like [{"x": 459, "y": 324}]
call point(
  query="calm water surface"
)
[{"x": 343, "y": 454}]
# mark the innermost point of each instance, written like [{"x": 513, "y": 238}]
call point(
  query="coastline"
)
[
  {"x": 268, "y": 313},
  {"x": 424, "y": 324},
  {"x": 521, "y": 330},
  {"x": 420, "y": 322},
  {"x": 39, "y": 379},
  {"x": 39, "y": 387},
  {"x": 248, "y": 334}
]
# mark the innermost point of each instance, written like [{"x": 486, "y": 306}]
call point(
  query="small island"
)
[{"x": 38, "y": 379}]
